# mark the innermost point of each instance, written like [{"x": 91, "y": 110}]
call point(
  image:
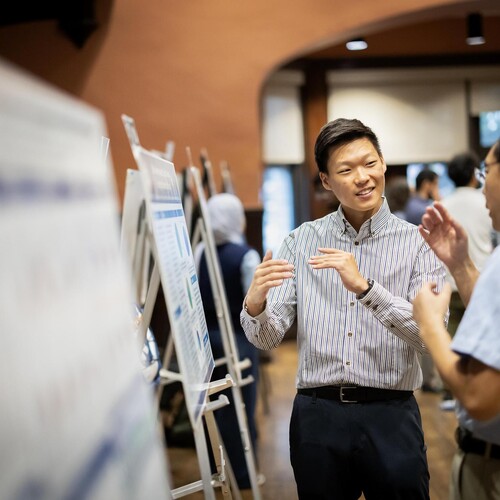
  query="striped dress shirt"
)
[{"x": 371, "y": 342}]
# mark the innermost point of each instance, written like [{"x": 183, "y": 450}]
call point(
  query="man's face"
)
[
  {"x": 434, "y": 189},
  {"x": 492, "y": 188},
  {"x": 356, "y": 177}
]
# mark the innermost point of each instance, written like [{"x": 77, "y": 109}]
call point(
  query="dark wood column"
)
[{"x": 315, "y": 94}]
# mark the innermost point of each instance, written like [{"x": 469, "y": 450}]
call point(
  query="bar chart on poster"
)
[{"x": 77, "y": 419}]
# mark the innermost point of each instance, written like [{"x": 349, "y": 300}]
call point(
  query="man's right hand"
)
[
  {"x": 430, "y": 307},
  {"x": 445, "y": 236},
  {"x": 268, "y": 274}
]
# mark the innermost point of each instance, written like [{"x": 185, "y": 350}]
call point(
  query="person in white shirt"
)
[{"x": 467, "y": 205}]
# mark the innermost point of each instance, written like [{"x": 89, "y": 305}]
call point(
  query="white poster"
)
[
  {"x": 77, "y": 419},
  {"x": 134, "y": 244},
  {"x": 174, "y": 258}
]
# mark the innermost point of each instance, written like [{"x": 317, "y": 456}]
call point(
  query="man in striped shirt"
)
[{"x": 348, "y": 279}]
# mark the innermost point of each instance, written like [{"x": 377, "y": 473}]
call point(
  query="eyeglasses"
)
[{"x": 481, "y": 171}]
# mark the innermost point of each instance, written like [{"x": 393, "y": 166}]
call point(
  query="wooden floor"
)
[{"x": 273, "y": 450}]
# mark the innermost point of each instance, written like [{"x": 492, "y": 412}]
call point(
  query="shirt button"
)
[
  {"x": 254, "y": 321},
  {"x": 349, "y": 334},
  {"x": 368, "y": 302},
  {"x": 375, "y": 307},
  {"x": 348, "y": 363},
  {"x": 392, "y": 326},
  {"x": 356, "y": 243},
  {"x": 351, "y": 304}
]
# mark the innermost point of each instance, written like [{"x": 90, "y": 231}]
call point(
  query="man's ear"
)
[
  {"x": 324, "y": 181},
  {"x": 383, "y": 163}
]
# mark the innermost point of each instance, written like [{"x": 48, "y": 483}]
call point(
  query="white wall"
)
[
  {"x": 283, "y": 128},
  {"x": 417, "y": 114}
]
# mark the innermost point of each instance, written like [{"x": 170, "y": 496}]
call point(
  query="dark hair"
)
[
  {"x": 462, "y": 167},
  {"x": 337, "y": 133},
  {"x": 397, "y": 193},
  {"x": 425, "y": 175}
]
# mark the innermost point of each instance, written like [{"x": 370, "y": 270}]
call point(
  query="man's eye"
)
[{"x": 371, "y": 163}]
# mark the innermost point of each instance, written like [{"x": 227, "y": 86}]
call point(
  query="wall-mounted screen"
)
[{"x": 489, "y": 128}]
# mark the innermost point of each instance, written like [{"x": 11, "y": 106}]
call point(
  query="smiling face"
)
[
  {"x": 492, "y": 187},
  {"x": 356, "y": 177}
]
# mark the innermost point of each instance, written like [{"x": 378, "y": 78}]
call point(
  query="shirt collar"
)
[{"x": 372, "y": 226}]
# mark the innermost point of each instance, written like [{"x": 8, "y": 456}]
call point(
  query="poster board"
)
[
  {"x": 134, "y": 242},
  {"x": 174, "y": 257},
  {"x": 78, "y": 419}
]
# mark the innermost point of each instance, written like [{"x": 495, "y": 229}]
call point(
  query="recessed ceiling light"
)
[{"x": 356, "y": 44}]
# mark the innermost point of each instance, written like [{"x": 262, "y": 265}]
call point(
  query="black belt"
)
[
  {"x": 469, "y": 444},
  {"x": 354, "y": 394}
]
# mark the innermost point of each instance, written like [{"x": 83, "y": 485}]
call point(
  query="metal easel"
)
[{"x": 235, "y": 366}]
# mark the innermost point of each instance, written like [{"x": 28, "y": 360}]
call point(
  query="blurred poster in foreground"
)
[{"x": 77, "y": 418}]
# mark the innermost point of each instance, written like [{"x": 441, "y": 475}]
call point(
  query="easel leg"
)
[{"x": 225, "y": 472}]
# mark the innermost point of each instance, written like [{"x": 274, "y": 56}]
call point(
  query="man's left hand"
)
[{"x": 345, "y": 264}]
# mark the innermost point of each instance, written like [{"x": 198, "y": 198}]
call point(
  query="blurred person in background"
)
[
  {"x": 237, "y": 262},
  {"x": 426, "y": 192},
  {"x": 397, "y": 194}
]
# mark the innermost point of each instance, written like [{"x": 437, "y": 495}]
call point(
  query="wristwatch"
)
[{"x": 370, "y": 286}]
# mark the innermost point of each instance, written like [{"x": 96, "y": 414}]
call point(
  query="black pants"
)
[{"x": 340, "y": 450}]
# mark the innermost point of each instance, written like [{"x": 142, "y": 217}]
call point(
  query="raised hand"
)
[
  {"x": 345, "y": 264},
  {"x": 445, "y": 236},
  {"x": 268, "y": 274}
]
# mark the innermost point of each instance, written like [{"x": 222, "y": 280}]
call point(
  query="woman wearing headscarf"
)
[{"x": 237, "y": 262}]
